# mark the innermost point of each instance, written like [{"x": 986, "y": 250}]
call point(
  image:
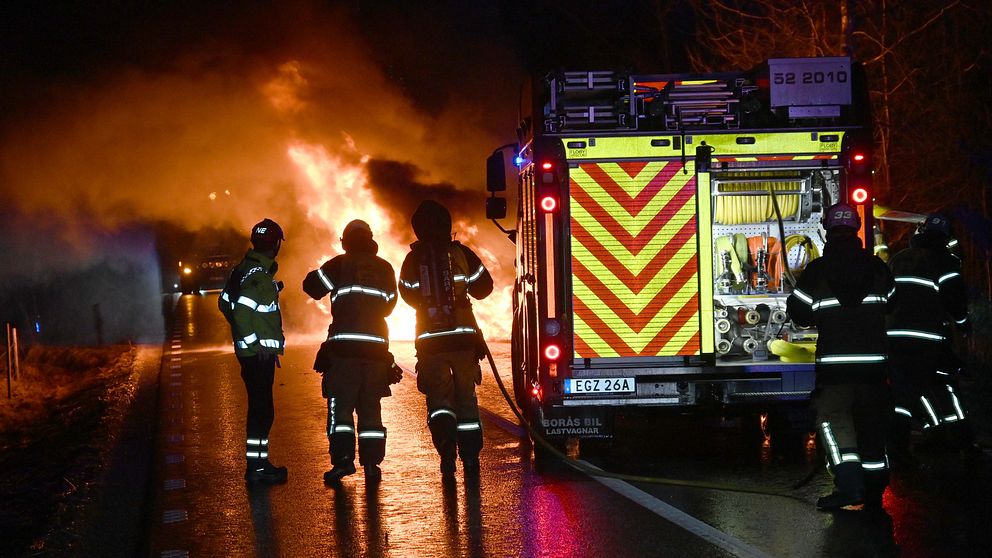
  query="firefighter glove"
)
[
  {"x": 265, "y": 353},
  {"x": 395, "y": 373}
]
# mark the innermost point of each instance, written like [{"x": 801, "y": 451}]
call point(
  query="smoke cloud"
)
[{"x": 300, "y": 126}]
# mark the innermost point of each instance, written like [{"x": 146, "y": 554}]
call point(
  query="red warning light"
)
[
  {"x": 859, "y": 195},
  {"x": 548, "y": 203},
  {"x": 859, "y": 157},
  {"x": 546, "y": 165},
  {"x": 552, "y": 352}
]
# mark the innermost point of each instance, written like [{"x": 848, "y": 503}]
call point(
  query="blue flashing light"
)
[
  {"x": 37, "y": 327},
  {"x": 518, "y": 161}
]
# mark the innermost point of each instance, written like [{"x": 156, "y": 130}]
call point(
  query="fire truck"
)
[{"x": 661, "y": 222}]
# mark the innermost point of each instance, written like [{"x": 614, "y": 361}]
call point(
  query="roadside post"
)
[
  {"x": 17, "y": 355},
  {"x": 10, "y": 362}
]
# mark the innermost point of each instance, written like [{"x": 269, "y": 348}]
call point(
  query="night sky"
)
[{"x": 186, "y": 122}]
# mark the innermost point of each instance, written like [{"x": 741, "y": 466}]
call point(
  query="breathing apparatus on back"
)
[
  {"x": 432, "y": 225},
  {"x": 437, "y": 286}
]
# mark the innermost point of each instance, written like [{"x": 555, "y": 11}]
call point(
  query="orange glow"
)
[
  {"x": 336, "y": 192},
  {"x": 339, "y": 195}
]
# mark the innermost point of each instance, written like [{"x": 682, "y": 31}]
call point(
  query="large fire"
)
[{"x": 337, "y": 192}]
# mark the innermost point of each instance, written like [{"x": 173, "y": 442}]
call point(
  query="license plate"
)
[{"x": 599, "y": 385}]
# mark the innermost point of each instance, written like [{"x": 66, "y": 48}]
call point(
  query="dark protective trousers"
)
[
  {"x": 353, "y": 385},
  {"x": 448, "y": 380},
  {"x": 923, "y": 379},
  {"x": 851, "y": 421},
  {"x": 258, "y": 376}
]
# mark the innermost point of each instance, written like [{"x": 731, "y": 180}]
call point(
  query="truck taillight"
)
[
  {"x": 552, "y": 352},
  {"x": 858, "y": 157},
  {"x": 549, "y": 203},
  {"x": 548, "y": 173},
  {"x": 859, "y": 195}
]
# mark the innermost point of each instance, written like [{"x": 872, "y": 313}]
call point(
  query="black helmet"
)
[
  {"x": 936, "y": 223},
  {"x": 356, "y": 228},
  {"x": 357, "y": 236},
  {"x": 266, "y": 234},
  {"x": 431, "y": 221},
  {"x": 842, "y": 215}
]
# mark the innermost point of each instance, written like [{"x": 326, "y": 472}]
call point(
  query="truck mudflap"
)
[{"x": 582, "y": 422}]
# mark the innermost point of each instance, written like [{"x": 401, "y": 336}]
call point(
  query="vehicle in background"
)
[
  {"x": 661, "y": 221},
  {"x": 204, "y": 274}
]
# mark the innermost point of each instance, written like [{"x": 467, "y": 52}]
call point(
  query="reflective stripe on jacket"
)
[
  {"x": 362, "y": 290},
  {"x": 469, "y": 278},
  {"x": 851, "y": 343},
  {"x": 253, "y": 312},
  {"x": 932, "y": 293}
]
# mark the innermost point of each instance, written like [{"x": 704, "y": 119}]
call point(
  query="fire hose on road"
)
[{"x": 594, "y": 471}]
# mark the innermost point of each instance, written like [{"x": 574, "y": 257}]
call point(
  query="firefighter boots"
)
[
  {"x": 373, "y": 474},
  {"x": 339, "y": 472},
  {"x": 840, "y": 500},
  {"x": 262, "y": 471},
  {"x": 849, "y": 493}
]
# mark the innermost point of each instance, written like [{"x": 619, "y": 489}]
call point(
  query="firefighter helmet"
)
[
  {"x": 357, "y": 227},
  {"x": 266, "y": 234},
  {"x": 431, "y": 221},
  {"x": 842, "y": 215},
  {"x": 936, "y": 223}
]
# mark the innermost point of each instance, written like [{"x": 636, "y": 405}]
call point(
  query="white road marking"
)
[
  {"x": 674, "y": 515},
  {"x": 702, "y": 530}
]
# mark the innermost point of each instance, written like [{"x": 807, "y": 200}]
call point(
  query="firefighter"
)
[
  {"x": 436, "y": 279},
  {"x": 355, "y": 361},
  {"x": 845, "y": 294},
  {"x": 250, "y": 302},
  {"x": 932, "y": 293}
]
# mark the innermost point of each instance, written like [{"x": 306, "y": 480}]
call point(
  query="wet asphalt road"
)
[{"x": 201, "y": 506}]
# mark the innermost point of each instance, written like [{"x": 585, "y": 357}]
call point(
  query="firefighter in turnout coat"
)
[
  {"x": 846, "y": 294},
  {"x": 250, "y": 302},
  {"x": 932, "y": 293},
  {"x": 355, "y": 360},
  {"x": 436, "y": 279}
]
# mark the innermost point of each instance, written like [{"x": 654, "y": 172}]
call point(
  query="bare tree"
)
[{"x": 931, "y": 90}]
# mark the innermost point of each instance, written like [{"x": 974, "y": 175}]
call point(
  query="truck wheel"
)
[
  {"x": 542, "y": 454},
  {"x": 785, "y": 435},
  {"x": 517, "y": 363}
]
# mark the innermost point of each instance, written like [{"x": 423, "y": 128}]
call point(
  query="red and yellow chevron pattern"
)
[{"x": 635, "y": 276}]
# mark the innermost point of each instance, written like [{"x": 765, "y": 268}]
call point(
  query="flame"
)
[{"x": 336, "y": 192}]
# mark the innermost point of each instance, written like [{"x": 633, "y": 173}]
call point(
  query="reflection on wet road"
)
[{"x": 203, "y": 508}]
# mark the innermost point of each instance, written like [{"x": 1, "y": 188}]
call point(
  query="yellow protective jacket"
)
[{"x": 250, "y": 302}]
